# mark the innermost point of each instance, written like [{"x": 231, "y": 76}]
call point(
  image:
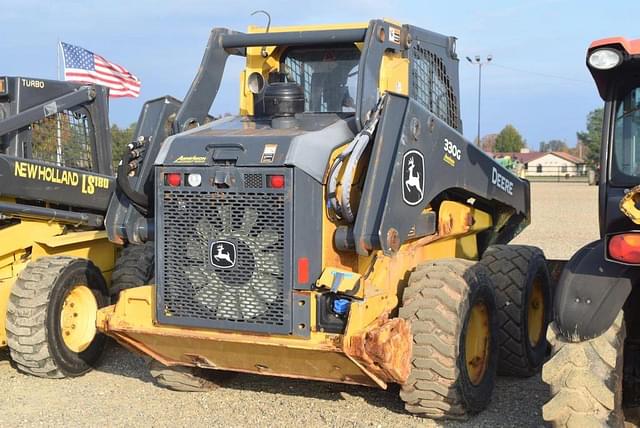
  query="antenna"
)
[{"x": 263, "y": 51}]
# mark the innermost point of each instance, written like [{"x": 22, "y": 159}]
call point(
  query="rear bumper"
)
[
  {"x": 320, "y": 357},
  {"x": 590, "y": 293}
]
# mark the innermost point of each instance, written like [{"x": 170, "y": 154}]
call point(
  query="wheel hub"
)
[
  {"x": 477, "y": 343},
  {"x": 535, "y": 313},
  {"x": 78, "y": 318}
]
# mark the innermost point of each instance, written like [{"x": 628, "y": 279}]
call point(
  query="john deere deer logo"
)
[
  {"x": 412, "y": 177},
  {"x": 223, "y": 254}
]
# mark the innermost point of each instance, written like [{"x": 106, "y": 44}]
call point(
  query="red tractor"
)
[{"x": 594, "y": 371}]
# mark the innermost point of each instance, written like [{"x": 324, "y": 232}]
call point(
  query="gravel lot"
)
[
  {"x": 120, "y": 391},
  {"x": 564, "y": 218}
]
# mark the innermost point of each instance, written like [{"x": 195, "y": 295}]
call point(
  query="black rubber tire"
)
[
  {"x": 33, "y": 317},
  {"x": 134, "y": 267},
  {"x": 437, "y": 302},
  {"x": 585, "y": 379},
  {"x": 513, "y": 269},
  {"x": 181, "y": 378}
]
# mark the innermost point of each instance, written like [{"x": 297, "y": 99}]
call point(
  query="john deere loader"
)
[
  {"x": 339, "y": 228},
  {"x": 594, "y": 372},
  {"x": 55, "y": 256}
]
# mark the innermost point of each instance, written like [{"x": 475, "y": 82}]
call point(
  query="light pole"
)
[{"x": 478, "y": 60}]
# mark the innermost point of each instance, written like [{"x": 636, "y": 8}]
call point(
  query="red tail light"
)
[
  {"x": 625, "y": 247},
  {"x": 173, "y": 179},
  {"x": 275, "y": 181},
  {"x": 303, "y": 270}
]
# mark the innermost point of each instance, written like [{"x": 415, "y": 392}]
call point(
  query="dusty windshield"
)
[
  {"x": 626, "y": 141},
  {"x": 328, "y": 76}
]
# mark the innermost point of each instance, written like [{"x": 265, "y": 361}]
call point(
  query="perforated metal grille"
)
[
  {"x": 253, "y": 181},
  {"x": 64, "y": 139},
  {"x": 431, "y": 86},
  {"x": 250, "y": 295}
]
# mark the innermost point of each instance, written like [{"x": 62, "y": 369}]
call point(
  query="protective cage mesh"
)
[
  {"x": 63, "y": 139},
  {"x": 254, "y": 294},
  {"x": 431, "y": 87}
]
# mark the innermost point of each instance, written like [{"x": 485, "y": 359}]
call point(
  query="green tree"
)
[
  {"x": 509, "y": 140},
  {"x": 120, "y": 137},
  {"x": 592, "y": 136},
  {"x": 554, "y": 146}
]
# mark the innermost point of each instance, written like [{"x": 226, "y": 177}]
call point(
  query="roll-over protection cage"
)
[
  {"x": 54, "y": 136},
  {"x": 166, "y": 116}
]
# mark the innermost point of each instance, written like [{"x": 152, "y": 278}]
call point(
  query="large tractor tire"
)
[
  {"x": 51, "y": 317},
  {"x": 585, "y": 379},
  {"x": 523, "y": 296},
  {"x": 134, "y": 267},
  {"x": 452, "y": 310},
  {"x": 182, "y": 379}
]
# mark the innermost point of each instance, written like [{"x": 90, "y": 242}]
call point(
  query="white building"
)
[
  {"x": 547, "y": 164},
  {"x": 555, "y": 164}
]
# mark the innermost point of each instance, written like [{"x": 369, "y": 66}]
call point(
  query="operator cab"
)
[
  {"x": 615, "y": 66},
  {"x": 311, "y": 80}
]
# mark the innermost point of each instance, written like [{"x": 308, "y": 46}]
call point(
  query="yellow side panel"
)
[
  {"x": 101, "y": 252},
  {"x": 394, "y": 74},
  {"x": 72, "y": 238},
  {"x": 246, "y": 98}
]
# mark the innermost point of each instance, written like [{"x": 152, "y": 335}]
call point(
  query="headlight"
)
[
  {"x": 255, "y": 82},
  {"x": 194, "y": 180},
  {"x": 605, "y": 59}
]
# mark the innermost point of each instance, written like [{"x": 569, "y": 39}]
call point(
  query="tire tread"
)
[
  {"x": 28, "y": 300},
  {"x": 134, "y": 267},
  {"x": 585, "y": 379},
  {"x": 508, "y": 267},
  {"x": 435, "y": 302},
  {"x": 180, "y": 378}
]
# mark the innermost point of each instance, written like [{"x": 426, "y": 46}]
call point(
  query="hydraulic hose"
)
[
  {"x": 343, "y": 209},
  {"x": 138, "y": 199}
]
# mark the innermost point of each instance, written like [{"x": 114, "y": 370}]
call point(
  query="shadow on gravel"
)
[
  {"x": 4, "y": 357},
  {"x": 317, "y": 390},
  {"x": 515, "y": 402},
  {"x": 120, "y": 362}
]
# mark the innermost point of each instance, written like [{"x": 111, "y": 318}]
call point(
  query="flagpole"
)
[{"x": 58, "y": 124}]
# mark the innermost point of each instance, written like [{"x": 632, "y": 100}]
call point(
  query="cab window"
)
[
  {"x": 626, "y": 140},
  {"x": 328, "y": 76}
]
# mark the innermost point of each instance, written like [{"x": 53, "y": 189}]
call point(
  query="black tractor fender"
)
[{"x": 590, "y": 293}]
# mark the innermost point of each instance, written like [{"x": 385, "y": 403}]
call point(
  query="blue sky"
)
[{"x": 162, "y": 43}]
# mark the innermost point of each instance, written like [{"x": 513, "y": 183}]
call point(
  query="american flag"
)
[{"x": 81, "y": 65}]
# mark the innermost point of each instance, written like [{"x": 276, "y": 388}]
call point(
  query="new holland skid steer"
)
[
  {"x": 339, "y": 228},
  {"x": 55, "y": 257},
  {"x": 597, "y": 300}
]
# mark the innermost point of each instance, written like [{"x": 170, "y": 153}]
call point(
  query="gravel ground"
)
[
  {"x": 120, "y": 392},
  {"x": 564, "y": 218}
]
